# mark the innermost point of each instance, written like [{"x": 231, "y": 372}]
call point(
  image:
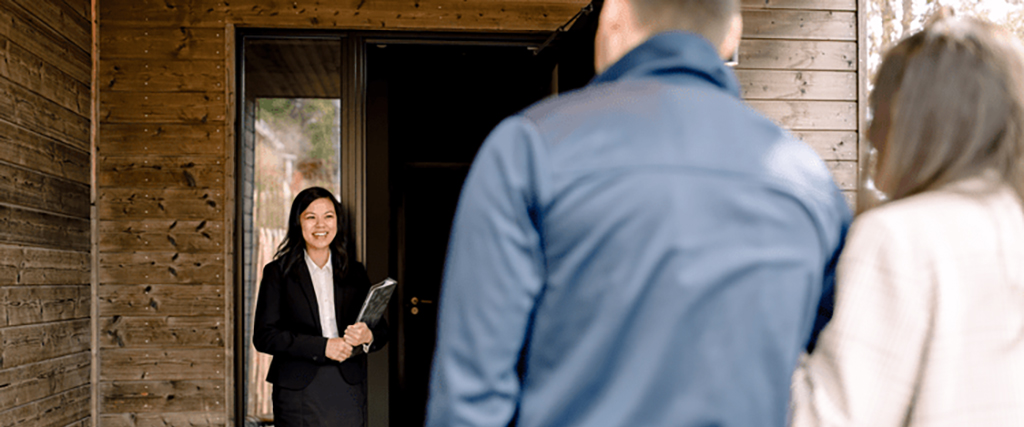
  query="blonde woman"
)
[{"x": 929, "y": 321}]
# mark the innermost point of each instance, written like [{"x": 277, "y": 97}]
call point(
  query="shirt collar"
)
[
  {"x": 312, "y": 265},
  {"x": 673, "y": 52}
]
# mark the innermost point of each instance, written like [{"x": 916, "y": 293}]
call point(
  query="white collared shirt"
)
[{"x": 323, "y": 285}]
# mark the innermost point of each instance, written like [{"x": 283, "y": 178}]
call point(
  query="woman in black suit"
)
[{"x": 305, "y": 317}]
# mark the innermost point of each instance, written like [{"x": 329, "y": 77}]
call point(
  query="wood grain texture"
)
[
  {"x": 159, "y": 43},
  {"x": 35, "y": 266},
  {"x": 26, "y": 383},
  {"x": 162, "y": 139},
  {"x": 797, "y": 55},
  {"x": 29, "y": 227},
  {"x": 161, "y": 172},
  {"x": 161, "y": 300},
  {"x": 160, "y": 267},
  {"x": 40, "y": 115},
  {"x": 55, "y": 50},
  {"x": 134, "y": 75},
  {"x": 32, "y": 189},
  {"x": 844, "y": 173},
  {"x": 161, "y": 235},
  {"x": 23, "y": 305},
  {"x": 807, "y": 85},
  {"x": 849, "y": 5},
  {"x": 25, "y": 68},
  {"x": 63, "y": 409},
  {"x": 181, "y": 204},
  {"x": 161, "y": 364},
  {"x": 161, "y": 332},
  {"x": 162, "y": 107},
  {"x": 831, "y": 145},
  {"x": 810, "y": 115},
  {"x": 21, "y": 345},
  {"x": 163, "y": 396},
  {"x": 187, "y": 419},
  {"x": 807, "y": 25},
  {"x": 457, "y": 15},
  {"x": 47, "y": 155},
  {"x": 61, "y": 19}
]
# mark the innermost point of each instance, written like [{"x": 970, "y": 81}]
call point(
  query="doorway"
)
[{"x": 441, "y": 103}]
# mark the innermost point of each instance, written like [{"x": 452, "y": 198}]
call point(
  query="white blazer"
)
[{"x": 929, "y": 322}]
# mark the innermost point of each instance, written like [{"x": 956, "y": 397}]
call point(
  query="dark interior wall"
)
[{"x": 45, "y": 242}]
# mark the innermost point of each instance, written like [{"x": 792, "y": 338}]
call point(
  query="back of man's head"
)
[{"x": 708, "y": 18}]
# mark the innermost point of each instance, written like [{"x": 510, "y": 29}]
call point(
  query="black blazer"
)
[{"x": 287, "y": 323}]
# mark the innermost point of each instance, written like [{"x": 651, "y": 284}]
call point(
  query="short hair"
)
[
  {"x": 708, "y": 18},
  {"x": 957, "y": 107}
]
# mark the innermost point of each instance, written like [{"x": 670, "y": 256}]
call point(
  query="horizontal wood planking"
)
[
  {"x": 808, "y": 25},
  {"x": 163, "y": 396},
  {"x": 162, "y": 107},
  {"x": 181, "y": 204},
  {"x": 32, "y": 189},
  {"x": 53, "y": 49},
  {"x": 810, "y": 115},
  {"x": 161, "y": 235},
  {"x": 135, "y": 75},
  {"x": 850, "y": 5},
  {"x": 807, "y": 85},
  {"x": 21, "y": 345},
  {"x": 160, "y": 43},
  {"x": 161, "y": 332},
  {"x": 23, "y": 305},
  {"x": 831, "y": 145},
  {"x": 36, "y": 266},
  {"x": 161, "y": 172},
  {"x": 158, "y": 267},
  {"x": 798, "y": 55},
  {"x": 162, "y": 139},
  {"x": 23, "y": 67},
  {"x": 161, "y": 364},
  {"x": 61, "y": 19},
  {"x": 30, "y": 227},
  {"x": 161, "y": 300},
  {"x": 47, "y": 155},
  {"x": 461, "y": 15},
  {"x": 38, "y": 114},
  {"x": 27, "y": 383},
  {"x": 187, "y": 419},
  {"x": 81, "y": 7},
  {"x": 844, "y": 173},
  {"x": 63, "y": 409}
]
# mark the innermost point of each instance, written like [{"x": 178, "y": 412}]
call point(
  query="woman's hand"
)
[
  {"x": 358, "y": 334},
  {"x": 337, "y": 349}
]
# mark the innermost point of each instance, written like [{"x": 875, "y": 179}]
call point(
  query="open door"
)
[{"x": 433, "y": 105}]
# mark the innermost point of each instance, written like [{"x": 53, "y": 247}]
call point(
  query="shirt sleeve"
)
[
  {"x": 493, "y": 274},
  {"x": 865, "y": 368}
]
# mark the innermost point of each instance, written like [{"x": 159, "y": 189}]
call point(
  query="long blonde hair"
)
[{"x": 956, "y": 93}]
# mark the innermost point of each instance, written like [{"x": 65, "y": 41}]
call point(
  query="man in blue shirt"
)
[{"x": 646, "y": 251}]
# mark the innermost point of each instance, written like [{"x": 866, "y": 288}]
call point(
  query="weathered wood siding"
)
[
  {"x": 165, "y": 160},
  {"x": 45, "y": 335},
  {"x": 798, "y": 65}
]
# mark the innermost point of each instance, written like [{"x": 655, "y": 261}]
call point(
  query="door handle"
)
[{"x": 415, "y": 302}]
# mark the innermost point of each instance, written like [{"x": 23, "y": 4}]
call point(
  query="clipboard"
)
[{"x": 376, "y": 301}]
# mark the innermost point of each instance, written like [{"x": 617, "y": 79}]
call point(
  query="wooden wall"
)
[
  {"x": 165, "y": 163},
  {"x": 45, "y": 336}
]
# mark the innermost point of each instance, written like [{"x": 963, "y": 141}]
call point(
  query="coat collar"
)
[{"x": 673, "y": 53}]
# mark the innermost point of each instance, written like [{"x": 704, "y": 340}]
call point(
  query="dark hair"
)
[
  {"x": 709, "y": 18},
  {"x": 292, "y": 246},
  {"x": 957, "y": 107}
]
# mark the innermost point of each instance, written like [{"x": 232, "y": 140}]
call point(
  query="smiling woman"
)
[{"x": 305, "y": 318}]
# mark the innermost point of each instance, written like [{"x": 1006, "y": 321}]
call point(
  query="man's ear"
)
[{"x": 732, "y": 38}]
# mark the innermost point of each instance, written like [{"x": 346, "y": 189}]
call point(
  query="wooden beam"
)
[
  {"x": 56, "y": 51},
  {"x": 162, "y": 107},
  {"x": 20, "y": 265},
  {"x": 31, "y": 189},
  {"x": 43, "y": 116},
  {"x": 23, "y": 345},
  {"x": 805, "y": 85},
  {"x": 159, "y": 43},
  {"x": 24, "y": 305},
  {"x": 26, "y": 383},
  {"x": 160, "y": 267},
  {"x": 64, "y": 409},
  {"x": 162, "y": 236},
  {"x": 44, "y": 154},
  {"x": 163, "y": 396},
  {"x": 161, "y": 300},
  {"x": 161, "y": 332},
  {"x": 162, "y": 364},
  {"x": 32, "y": 227},
  {"x": 797, "y": 55},
  {"x": 144, "y": 75},
  {"x": 804, "y": 25},
  {"x": 161, "y": 172},
  {"x": 162, "y": 139},
  {"x": 178, "y": 203}
]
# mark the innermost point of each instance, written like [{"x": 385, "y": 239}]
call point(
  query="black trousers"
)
[{"x": 328, "y": 401}]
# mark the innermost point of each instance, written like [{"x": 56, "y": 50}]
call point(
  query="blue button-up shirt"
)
[{"x": 647, "y": 251}]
